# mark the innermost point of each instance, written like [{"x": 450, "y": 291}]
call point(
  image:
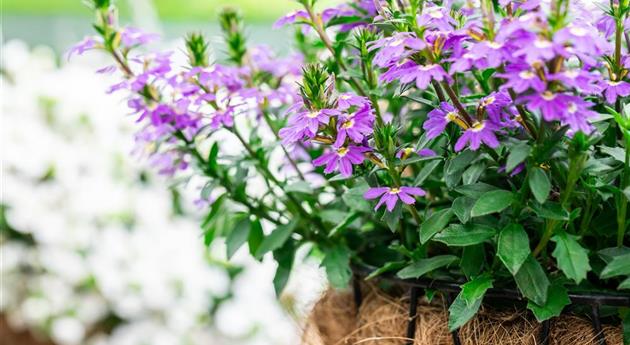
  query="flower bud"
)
[
  {"x": 197, "y": 48},
  {"x": 231, "y": 23}
]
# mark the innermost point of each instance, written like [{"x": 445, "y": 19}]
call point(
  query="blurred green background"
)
[{"x": 60, "y": 23}]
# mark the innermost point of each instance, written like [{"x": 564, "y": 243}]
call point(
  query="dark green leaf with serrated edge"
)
[
  {"x": 337, "y": 264},
  {"x": 557, "y": 299},
  {"x": 513, "y": 247},
  {"x": 277, "y": 238},
  {"x": 619, "y": 265},
  {"x": 472, "y": 261},
  {"x": 434, "y": 224},
  {"x": 425, "y": 172},
  {"x": 492, "y": 202},
  {"x": 424, "y": 266},
  {"x": 284, "y": 256},
  {"x": 476, "y": 288},
  {"x": 518, "y": 154},
  {"x": 572, "y": 258},
  {"x": 388, "y": 267},
  {"x": 256, "y": 236},
  {"x": 458, "y": 235},
  {"x": 551, "y": 210},
  {"x": 459, "y": 312},
  {"x": 238, "y": 236},
  {"x": 462, "y": 207},
  {"x": 532, "y": 281},
  {"x": 475, "y": 190},
  {"x": 539, "y": 184}
]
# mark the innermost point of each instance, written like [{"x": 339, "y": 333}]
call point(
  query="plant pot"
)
[{"x": 367, "y": 314}]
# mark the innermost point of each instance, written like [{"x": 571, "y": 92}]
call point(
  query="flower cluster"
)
[{"x": 479, "y": 126}]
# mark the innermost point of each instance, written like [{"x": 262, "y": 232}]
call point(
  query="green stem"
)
[{"x": 623, "y": 207}]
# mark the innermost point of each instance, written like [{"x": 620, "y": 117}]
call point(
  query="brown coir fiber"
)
[{"x": 382, "y": 320}]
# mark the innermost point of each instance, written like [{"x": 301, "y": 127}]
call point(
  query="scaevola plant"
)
[{"x": 485, "y": 143}]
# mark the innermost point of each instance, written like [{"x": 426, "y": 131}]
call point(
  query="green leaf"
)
[
  {"x": 539, "y": 184},
  {"x": 458, "y": 235},
  {"x": 625, "y": 285},
  {"x": 392, "y": 218},
  {"x": 434, "y": 224},
  {"x": 462, "y": 207},
  {"x": 284, "y": 256},
  {"x": 513, "y": 247},
  {"x": 256, "y": 236},
  {"x": 475, "y": 289},
  {"x": 276, "y": 239},
  {"x": 472, "y": 174},
  {"x": 475, "y": 190},
  {"x": 354, "y": 199},
  {"x": 557, "y": 299},
  {"x": 619, "y": 265},
  {"x": 425, "y": 172},
  {"x": 424, "y": 266},
  {"x": 551, "y": 210},
  {"x": 473, "y": 259},
  {"x": 517, "y": 155},
  {"x": 460, "y": 312},
  {"x": 388, "y": 267},
  {"x": 238, "y": 236},
  {"x": 492, "y": 202},
  {"x": 461, "y": 161},
  {"x": 351, "y": 217},
  {"x": 337, "y": 264},
  {"x": 532, "y": 281},
  {"x": 571, "y": 257}
]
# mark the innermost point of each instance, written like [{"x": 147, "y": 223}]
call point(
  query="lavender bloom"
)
[
  {"x": 390, "y": 196},
  {"x": 356, "y": 126},
  {"x": 494, "y": 105},
  {"x": 304, "y": 123},
  {"x": 437, "y": 18},
  {"x": 438, "y": 119},
  {"x": 296, "y": 16},
  {"x": 582, "y": 80},
  {"x": 577, "y": 115},
  {"x": 395, "y": 48},
  {"x": 480, "y": 132},
  {"x": 421, "y": 74},
  {"x": 539, "y": 50},
  {"x": 88, "y": 43},
  {"x": 341, "y": 159},
  {"x": 521, "y": 78},
  {"x": 614, "y": 89},
  {"x": 551, "y": 105},
  {"x": 347, "y": 100},
  {"x": 132, "y": 37},
  {"x": 494, "y": 53}
]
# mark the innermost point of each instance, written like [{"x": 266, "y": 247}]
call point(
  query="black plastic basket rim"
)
[{"x": 612, "y": 299}]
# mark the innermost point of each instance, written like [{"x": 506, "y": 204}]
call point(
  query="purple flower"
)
[
  {"x": 132, "y": 37},
  {"x": 494, "y": 105},
  {"x": 438, "y": 119},
  {"x": 614, "y": 89},
  {"x": 395, "y": 48},
  {"x": 551, "y": 105},
  {"x": 356, "y": 126},
  {"x": 438, "y": 18},
  {"x": 538, "y": 50},
  {"x": 580, "y": 79},
  {"x": 494, "y": 53},
  {"x": 390, "y": 196},
  {"x": 347, "y": 100},
  {"x": 577, "y": 115},
  {"x": 304, "y": 123},
  {"x": 421, "y": 74},
  {"x": 86, "y": 44},
  {"x": 520, "y": 78},
  {"x": 341, "y": 159},
  {"x": 480, "y": 132},
  {"x": 300, "y": 15}
]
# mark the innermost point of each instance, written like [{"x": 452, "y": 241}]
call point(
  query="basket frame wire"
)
[{"x": 417, "y": 287}]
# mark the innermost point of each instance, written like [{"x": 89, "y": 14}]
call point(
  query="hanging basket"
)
[{"x": 368, "y": 315}]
